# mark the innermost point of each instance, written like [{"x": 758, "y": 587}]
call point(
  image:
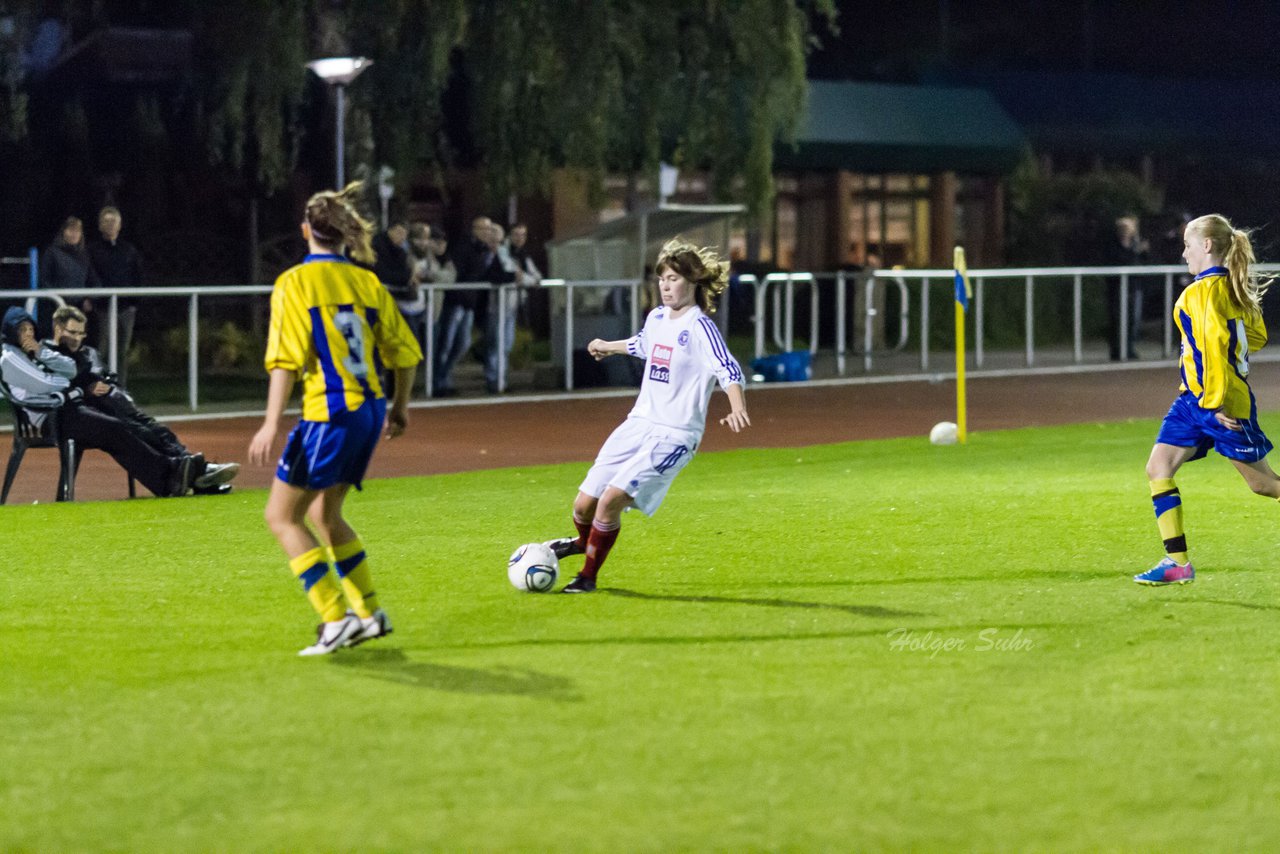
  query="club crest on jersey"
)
[
  {"x": 660, "y": 364},
  {"x": 683, "y": 340}
]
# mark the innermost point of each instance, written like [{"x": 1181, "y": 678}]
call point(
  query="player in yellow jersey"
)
[
  {"x": 336, "y": 327},
  {"x": 1220, "y": 318}
]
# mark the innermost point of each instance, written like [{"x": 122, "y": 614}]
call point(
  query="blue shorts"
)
[
  {"x": 1189, "y": 426},
  {"x": 320, "y": 454}
]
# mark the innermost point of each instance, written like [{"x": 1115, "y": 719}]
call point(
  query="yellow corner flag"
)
[{"x": 963, "y": 294}]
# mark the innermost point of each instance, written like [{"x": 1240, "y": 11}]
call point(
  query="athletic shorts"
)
[
  {"x": 1189, "y": 426},
  {"x": 641, "y": 459},
  {"x": 320, "y": 454}
]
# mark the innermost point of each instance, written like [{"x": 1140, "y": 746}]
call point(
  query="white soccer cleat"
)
[
  {"x": 332, "y": 636},
  {"x": 564, "y": 547},
  {"x": 216, "y": 474},
  {"x": 377, "y": 626}
]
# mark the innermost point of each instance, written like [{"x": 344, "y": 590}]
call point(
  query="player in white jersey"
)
[{"x": 685, "y": 357}]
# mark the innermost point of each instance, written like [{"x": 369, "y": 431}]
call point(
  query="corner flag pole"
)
[{"x": 962, "y": 303}]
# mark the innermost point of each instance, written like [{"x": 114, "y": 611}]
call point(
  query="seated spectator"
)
[
  {"x": 101, "y": 391},
  {"x": 38, "y": 379}
]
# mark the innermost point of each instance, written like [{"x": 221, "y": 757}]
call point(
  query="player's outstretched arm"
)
[
  {"x": 737, "y": 417},
  {"x": 600, "y": 348},
  {"x": 260, "y": 448}
]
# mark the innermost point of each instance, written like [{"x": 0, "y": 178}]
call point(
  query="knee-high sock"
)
[
  {"x": 1168, "y": 506},
  {"x": 584, "y": 529},
  {"x": 357, "y": 583},
  {"x": 312, "y": 569},
  {"x": 599, "y": 542}
]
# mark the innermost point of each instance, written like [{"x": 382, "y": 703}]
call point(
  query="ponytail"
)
[
  {"x": 1235, "y": 248},
  {"x": 1246, "y": 288},
  {"x": 335, "y": 222}
]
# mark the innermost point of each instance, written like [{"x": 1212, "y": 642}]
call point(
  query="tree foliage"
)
[
  {"x": 594, "y": 86},
  {"x": 619, "y": 85},
  {"x": 249, "y": 84}
]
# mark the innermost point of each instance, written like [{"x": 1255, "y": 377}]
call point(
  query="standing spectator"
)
[
  {"x": 412, "y": 305},
  {"x": 498, "y": 340},
  {"x": 117, "y": 264},
  {"x": 392, "y": 267},
  {"x": 475, "y": 261},
  {"x": 391, "y": 264},
  {"x": 65, "y": 264},
  {"x": 518, "y": 246},
  {"x": 428, "y": 248},
  {"x": 1127, "y": 249}
]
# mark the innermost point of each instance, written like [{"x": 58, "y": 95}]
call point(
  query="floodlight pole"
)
[
  {"x": 340, "y": 143},
  {"x": 338, "y": 72}
]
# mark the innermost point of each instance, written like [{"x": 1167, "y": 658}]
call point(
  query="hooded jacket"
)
[{"x": 37, "y": 384}]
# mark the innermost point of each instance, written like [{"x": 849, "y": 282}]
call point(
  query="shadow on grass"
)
[
  {"x": 392, "y": 665},
  {"x": 1252, "y": 606},
  {"x": 858, "y": 610},
  {"x": 693, "y": 640},
  {"x": 1056, "y": 575}
]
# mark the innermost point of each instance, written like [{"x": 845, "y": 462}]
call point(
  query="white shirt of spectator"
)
[{"x": 684, "y": 359}]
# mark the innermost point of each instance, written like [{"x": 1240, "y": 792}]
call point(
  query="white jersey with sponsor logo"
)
[{"x": 684, "y": 358}]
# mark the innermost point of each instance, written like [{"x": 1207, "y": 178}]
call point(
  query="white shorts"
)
[{"x": 641, "y": 459}]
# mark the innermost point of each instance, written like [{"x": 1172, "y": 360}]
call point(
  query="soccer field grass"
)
[{"x": 869, "y": 645}]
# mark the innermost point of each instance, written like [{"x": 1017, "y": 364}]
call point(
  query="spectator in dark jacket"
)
[
  {"x": 391, "y": 264},
  {"x": 102, "y": 392},
  {"x": 476, "y": 260},
  {"x": 117, "y": 265},
  {"x": 39, "y": 380},
  {"x": 1127, "y": 248},
  {"x": 65, "y": 264}
]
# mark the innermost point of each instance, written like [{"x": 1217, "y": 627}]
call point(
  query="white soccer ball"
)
[
  {"x": 944, "y": 433},
  {"x": 533, "y": 567}
]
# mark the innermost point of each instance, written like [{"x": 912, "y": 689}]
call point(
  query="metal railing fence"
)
[{"x": 774, "y": 302}]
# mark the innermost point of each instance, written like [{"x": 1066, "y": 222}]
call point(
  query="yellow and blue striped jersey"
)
[
  {"x": 1217, "y": 338},
  {"x": 336, "y": 325}
]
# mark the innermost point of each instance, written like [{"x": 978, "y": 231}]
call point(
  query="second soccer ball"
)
[{"x": 944, "y": 433}]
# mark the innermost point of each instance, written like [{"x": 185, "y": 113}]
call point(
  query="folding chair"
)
[{"x": 45, "y": 435}]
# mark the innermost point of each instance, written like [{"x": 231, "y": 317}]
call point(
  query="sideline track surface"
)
[{"x": 448, "y": 437}]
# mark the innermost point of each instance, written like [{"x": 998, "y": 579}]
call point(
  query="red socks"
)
[
  {"x": 599, "y": 542},
  {"x": 584, "y": 529}
]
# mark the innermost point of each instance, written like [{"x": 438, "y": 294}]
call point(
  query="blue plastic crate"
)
[{"x": 795, "y": 366}]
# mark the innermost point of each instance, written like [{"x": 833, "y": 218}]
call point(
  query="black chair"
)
[{"x": 26, "y": 434}]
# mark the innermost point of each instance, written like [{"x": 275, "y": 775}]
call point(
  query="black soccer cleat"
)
[
  {"x": 580, "y": 584},
  {"x": 564, "y": 547}
]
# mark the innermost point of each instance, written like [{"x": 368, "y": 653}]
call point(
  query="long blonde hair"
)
[
  {"x": 708, "y": 272},
  {"x": 335, "y": 222},
  {"x": 1234, "y": 247}
]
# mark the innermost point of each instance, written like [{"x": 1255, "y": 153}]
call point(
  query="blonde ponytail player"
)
[
  {"x": 334, "y": 326},
  {"x": 685, "y": 358},
  {"x": 1220, "y": 318}
]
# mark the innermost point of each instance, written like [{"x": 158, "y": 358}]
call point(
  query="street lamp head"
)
[{"x": 339, "y": 70}]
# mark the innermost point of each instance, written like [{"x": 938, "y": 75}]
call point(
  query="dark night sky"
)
[{"x": 901, "y": 40}]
